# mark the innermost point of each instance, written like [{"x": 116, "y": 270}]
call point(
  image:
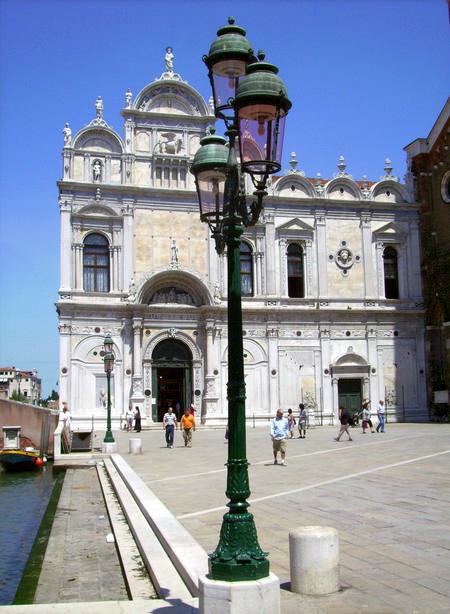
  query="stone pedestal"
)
[
  {"x": 314, "y": 560},
  {"x": 109, "y": 448},
  {"x": 135, "y": 446},
  {"x": 252, "y": 597}
]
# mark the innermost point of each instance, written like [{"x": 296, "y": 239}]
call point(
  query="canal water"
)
[{"x": 23, "y": 500}]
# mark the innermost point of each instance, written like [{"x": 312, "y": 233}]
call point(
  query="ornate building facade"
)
[
  {"x": 332, "y": 300},
  {"x": 429, "y": 171}
]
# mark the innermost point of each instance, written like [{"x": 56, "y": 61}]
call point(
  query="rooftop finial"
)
[
  {"x": 388, "y": 167},
  {"x": 342, "y": 165},
  {"x": 293, "y": 161}
]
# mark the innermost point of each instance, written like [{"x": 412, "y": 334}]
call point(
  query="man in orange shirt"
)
[{"x": 188, "y": 425}]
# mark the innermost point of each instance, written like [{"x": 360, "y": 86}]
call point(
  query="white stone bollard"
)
[
  {"x": 314, "y": 560},
  {"x": 135, "y": 446}
]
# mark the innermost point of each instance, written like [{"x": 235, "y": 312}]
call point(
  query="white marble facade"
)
[{"x": 167, "y": 284}]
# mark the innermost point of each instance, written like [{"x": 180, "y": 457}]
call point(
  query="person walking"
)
[
  {"x": 366, "y": 421},
  {"x": 344, "y": 418},
  {"x": 137, "y": 420},
  {"x": 169, "y": 425},
  {"x": 279, "y": 431},
  {"x": 129, "y": 419},
  {"x": 381, "y": 413},
  {"x": 187, "y": 424},
  {"x": 302, "y": 421},
  {"x": 291, "y": 423}
]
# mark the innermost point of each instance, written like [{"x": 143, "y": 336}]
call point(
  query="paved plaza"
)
[{"x": 387, "y": 494}]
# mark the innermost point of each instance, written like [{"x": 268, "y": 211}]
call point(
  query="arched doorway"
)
[{"x": 171, "y": 377}]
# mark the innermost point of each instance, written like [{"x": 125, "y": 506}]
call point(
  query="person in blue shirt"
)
[{"x": 279, "y": 432}]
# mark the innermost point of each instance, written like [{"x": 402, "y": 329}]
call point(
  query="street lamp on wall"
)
[
  {"x": 252, "y": 100},
  {"x": 108, "y": 362}
]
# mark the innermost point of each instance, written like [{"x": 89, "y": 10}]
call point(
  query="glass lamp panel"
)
[
  {"x": 210, "y": 186},
  {"x": 261, "y": 142},
  {"x": 109, "y": 363},
  {"x": 226, "y": 75},
  {"x": 108, "y": 343}
]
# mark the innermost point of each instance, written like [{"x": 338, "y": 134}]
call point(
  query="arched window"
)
[
  {"x": 246, "y": 270},
  {"x": 96, "y": 264},
  {"x": 390, "y": 261},
  {"x": 296, "y": 286}
]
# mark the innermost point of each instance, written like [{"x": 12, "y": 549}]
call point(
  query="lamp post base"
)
[
  {"x": 249, "y": 597},
  {"x": 109, "y": 448}
]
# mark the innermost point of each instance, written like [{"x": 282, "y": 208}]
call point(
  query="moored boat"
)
[{"x": 13, "y": 456}]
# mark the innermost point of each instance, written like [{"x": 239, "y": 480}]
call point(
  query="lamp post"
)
[
  {"x": 108, "y": 361},
  {"x": 252, "y": 100}
]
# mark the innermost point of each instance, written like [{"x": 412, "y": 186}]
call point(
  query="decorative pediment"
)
[
  {"x": 96, "y": 211},
  {"x": 343, "y": 188},
  {"x": 389, "y": 232},
  {"x": 296, "y": 228}
]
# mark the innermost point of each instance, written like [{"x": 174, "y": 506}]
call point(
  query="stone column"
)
[
  {"x": 308, "y": 269},
  {"x": 87, "y": 168},
  {"x": 415, "y": 283},
  {"x": 367, "y": 259},
  {"x": 321, "y": 239},
  {"x": 326, "y": 374},
  {"x": 380, "y": 390},
  {"x": 282, "y": 246},
  {"x": 272, "y": 335},
  {"x": 372, "y": 360},
  {"x": 65, "y": 255},
  {"x": 270, "y": 254},
  {"x": 380, "y": 269},
  {"x": 137, "y": 394},
  {"x": 107, "y": 178},
  {"x": 211, "y": 394},
  {"x": 403, "y": 268},
  {"x": 127, "y": 212},
  {"x": 335, "y": 397},
  {"x": 65, "y": 366}
]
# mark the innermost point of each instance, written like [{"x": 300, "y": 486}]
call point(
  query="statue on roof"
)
[
  {"x": 169, "y": 59},
  {"x": 128, "y": 97},
  {"x": 99, "y": 107},
  {"x": 67, "y": 132}
]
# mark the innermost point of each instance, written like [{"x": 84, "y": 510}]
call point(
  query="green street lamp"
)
[
  {"x": 108, "y": 361},
  {"x": 253, "y": 102}
]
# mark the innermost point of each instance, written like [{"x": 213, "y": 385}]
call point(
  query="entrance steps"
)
[{"x": 173, "y": 559}]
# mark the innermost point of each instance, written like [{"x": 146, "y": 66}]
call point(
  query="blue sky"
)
[{"x": 365, "y": 78}]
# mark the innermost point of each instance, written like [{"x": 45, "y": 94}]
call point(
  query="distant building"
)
[
  {"x": 429, "y": 167},
  {"x": 332, "y": 299},
  {"x": 26, "y": 383}
]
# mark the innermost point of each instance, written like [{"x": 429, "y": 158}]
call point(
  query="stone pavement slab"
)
[
  {"x": 79, "y": 564},
  {"x": 387, "y": 494}
]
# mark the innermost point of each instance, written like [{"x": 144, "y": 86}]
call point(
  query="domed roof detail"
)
[{"x": 390, "y": 191}]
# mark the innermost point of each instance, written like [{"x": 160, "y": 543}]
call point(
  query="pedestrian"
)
[
  {"x": 302, "y": 421},
  {"x": 344, "y": 417},
  {"x": 187, "y": 424},
  {"x": 381, "y": 413},
  {"x": 129, "y": 419},
  {"x": 169, "y": 425},
  {"x": 291, "y": 422},
  {"x": 279, "y": 431},
  {"x": 366, "y": 421},
  {"x": 192, "y": 409},
  {"x": 137, "y": 420},
  {"x": 65, "y": 417}
]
